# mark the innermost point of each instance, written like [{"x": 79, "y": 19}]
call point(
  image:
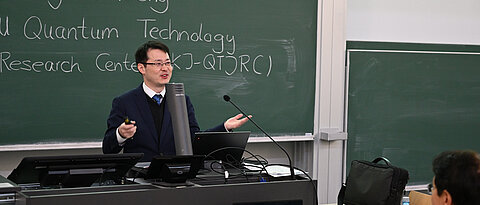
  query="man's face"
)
[
  {"x": 443, "y": 199},
  {"x": 156, "y": 76}
]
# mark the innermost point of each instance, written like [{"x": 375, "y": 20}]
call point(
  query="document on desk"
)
[{"x": 273, "y": 170}]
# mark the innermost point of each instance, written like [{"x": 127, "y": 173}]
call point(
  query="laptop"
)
[
  {"x": 225, "y": 146},
  {"x": 174, "y": 169},
  {"x": 73, "y": 170}
]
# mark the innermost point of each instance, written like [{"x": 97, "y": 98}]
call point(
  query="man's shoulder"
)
[{"x": 131, "y": 93}]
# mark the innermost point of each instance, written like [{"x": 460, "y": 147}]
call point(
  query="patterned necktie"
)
[{"x": 157, "y": 98}]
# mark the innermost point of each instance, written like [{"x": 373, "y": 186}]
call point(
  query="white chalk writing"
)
[
  {"x": 161, "y": 8},
  {"x": 258, "y": 65},
  {"x": 103, "y": 62},
  {"x": 171, "y": 33},
  {"x": 66, "y": 66},
  {"x": 216, "y": 50},
  {"x": 229, "y": 65},
  {"x": 34, "y": 28},
  {"x": 4, "y": 28},
  {"x": 59, "y": 3}
]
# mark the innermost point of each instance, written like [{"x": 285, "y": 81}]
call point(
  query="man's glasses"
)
[
  {"x": 430, "y": 188},
  {"x": 159, "y": 65}
]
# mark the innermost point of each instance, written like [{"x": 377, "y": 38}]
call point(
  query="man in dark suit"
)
[{"x": 150, "y": 131}]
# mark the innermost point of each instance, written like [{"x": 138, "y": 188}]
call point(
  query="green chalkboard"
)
[
  {"x": 409, "y": 102},
  {"x": 62, "y": 62}
]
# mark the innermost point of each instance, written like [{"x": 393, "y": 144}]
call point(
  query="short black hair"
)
[
  {"x": 141, "y": 54},
  {"x": 458, "y": 172}
]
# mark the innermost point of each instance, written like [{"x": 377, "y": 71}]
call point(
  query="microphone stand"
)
[{"x": 292, "y": 173}]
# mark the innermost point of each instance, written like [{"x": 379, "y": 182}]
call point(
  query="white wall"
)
[
  {"x": 330, "y": 97},
  {"x": 421, "y": 21}
]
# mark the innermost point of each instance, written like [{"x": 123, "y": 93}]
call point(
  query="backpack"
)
[{"x": 371, "y": 183}]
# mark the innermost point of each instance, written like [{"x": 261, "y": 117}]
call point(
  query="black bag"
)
[{"x": 369, "y": 183}]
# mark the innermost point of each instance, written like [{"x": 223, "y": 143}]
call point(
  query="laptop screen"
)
[
  {"x": 73, "y": 170},
  {"x": 209, "y": 143}
]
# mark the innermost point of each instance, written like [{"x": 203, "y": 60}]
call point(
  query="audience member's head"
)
[{"x": 457, "y": 178}]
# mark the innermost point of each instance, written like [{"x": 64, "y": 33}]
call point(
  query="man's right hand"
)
[{"x": 127, "y": 131}]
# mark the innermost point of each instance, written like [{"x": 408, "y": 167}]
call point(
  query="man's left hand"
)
[{"x": 235, "y": 122}]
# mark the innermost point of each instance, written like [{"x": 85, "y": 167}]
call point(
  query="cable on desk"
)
[
  {"x": 252, "y": 155},
  {"x": 248, "y": 160}
]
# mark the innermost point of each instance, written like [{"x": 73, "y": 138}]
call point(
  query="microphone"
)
[{"x": 292, "y": 174}]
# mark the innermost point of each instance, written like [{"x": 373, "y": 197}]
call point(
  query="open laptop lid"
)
[
  {"x": 73, "y": 170},
  {"x": 205, "y": 143}
]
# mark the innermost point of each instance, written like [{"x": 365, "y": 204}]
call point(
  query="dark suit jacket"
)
[{"x": 134, "y": 105}]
